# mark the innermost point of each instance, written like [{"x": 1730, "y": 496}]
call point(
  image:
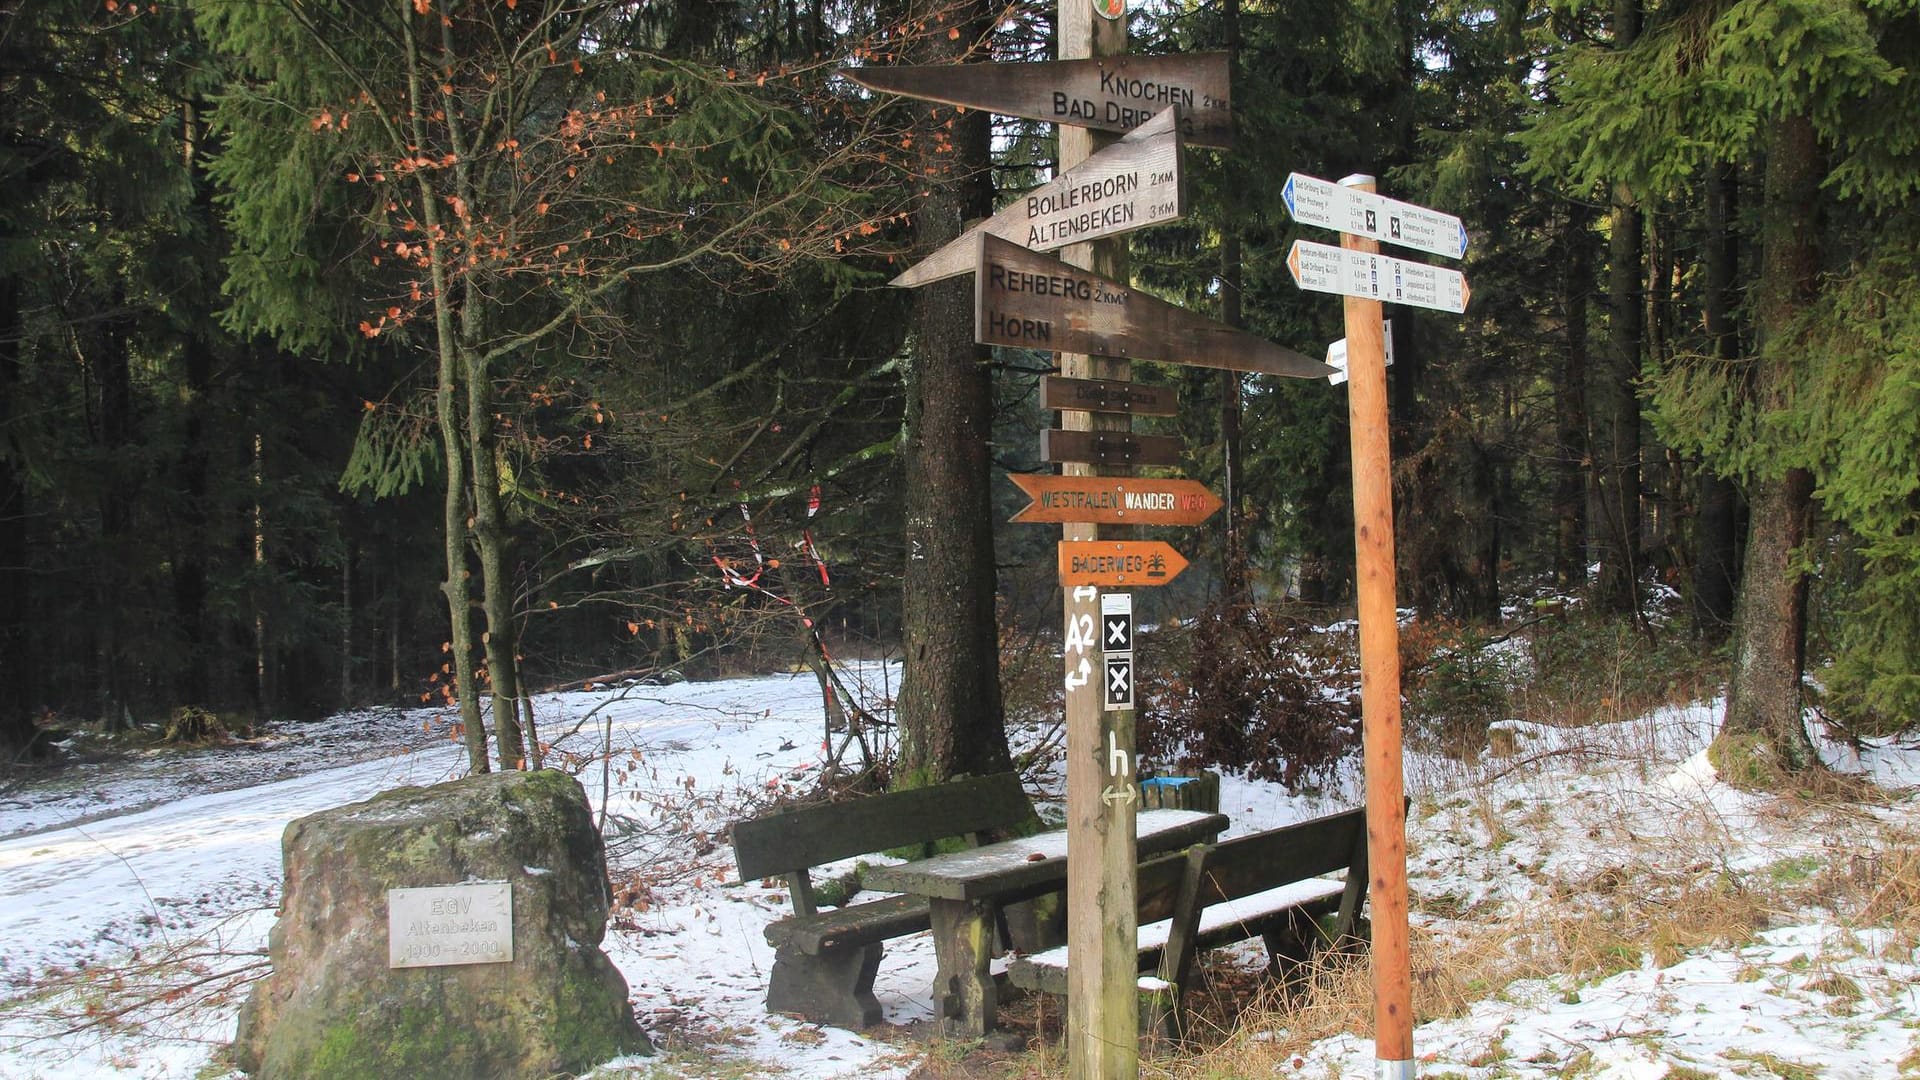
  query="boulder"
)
[{"x": 333, "y": 1007}]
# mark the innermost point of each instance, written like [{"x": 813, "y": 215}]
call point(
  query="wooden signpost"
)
[
  {"x": 1356, "y": 270},
  {"x": 1096, "y": 395},
  {"x": 1032, "y": 301},
  {"x": 1126, "y": 563},
  {"x": 1104, "y": 93},
  {"x": 1130, "y": 185},
  {"x": 1114, "y": 500},
  {"x": 1108, "y": 448}
]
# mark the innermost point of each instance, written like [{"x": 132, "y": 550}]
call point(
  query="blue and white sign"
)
[{"x": 1312, "y": 201}]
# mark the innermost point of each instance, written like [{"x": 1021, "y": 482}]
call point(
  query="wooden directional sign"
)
[
  {"x": 1118, "y": 562},
  {"x": 1114, "y": 500},
  {"x": 1112, "y": 93},
  {"x": 1108, "y": 396},
  {"x": 1329, "y": 269},
  {"x": 1350, "y": 210},
  {"x": 1109, "y": 447},
  {"x": 1033, "y": 301},
  {"x": 1129, "y": 185}
]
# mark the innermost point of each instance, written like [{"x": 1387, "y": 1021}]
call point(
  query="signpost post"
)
[{"x": 1357, "y": 271}]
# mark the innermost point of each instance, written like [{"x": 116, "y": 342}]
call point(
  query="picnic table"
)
[{"x": 965, "y": 890}]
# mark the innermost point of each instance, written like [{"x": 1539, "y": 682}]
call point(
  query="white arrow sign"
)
[
  {"x": 1337, "y": 355},
  {"x": 1313, "y": 201},
  {"x": 1085, "y": 592},
  {"x": 1078, "y": 677},
  {"x": 1123, "y": 793},
  {"x": 1329, "y": 269}
]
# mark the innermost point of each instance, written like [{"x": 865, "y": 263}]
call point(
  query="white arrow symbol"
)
[
  {"x": 1078, "y": 678},
  {"x": 1124, "y": 793},
  {"x": 1085, "y": 592}
]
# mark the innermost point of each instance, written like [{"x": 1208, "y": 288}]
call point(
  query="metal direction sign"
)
[
  {"x": 1116, "y": 622},
  {"x": 1335, "y": 206},
  {"x": 1118, "y": 562},
  {"x": 1114, "y": 500},
  {"x": 1337, "y": 354},
  {"x": 1130, "y": 185},
  {"x": 1108, "y": 396},
  {"x": 1329, "y": 269},
  {"x": 1119, "y": 681},
  {"x": 1109, "y": 447},
  {"x": 1033, "y": 301},
  {"x": 1111, "y": 93}
]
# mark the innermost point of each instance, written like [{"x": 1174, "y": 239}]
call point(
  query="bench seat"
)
[
  {"x": 851, "y": 926},
  {"x": 1221, "y": 923}
]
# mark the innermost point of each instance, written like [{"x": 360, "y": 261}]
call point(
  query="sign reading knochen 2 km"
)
[
  {"x": 1109, "y": 93},
  {"x": 1130, "y": 185},
  {"x": 1028, "y": 300}
]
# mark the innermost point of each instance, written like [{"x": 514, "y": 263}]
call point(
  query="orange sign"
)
[
  {"x": 1118, "y": 562},
  {"x": 1109, "y": 500}
]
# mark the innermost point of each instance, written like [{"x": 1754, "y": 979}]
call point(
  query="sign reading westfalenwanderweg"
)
[
  {"x": 1109, "y": 93},
  {"x": 1130, "y": 185},
  {"x": 1345, "y": 272},
  {"x": 1118, "y": 562},
  {"x": 1335, "y": 206},
  {"x": 1114, "y": 500},
  {"x": 1028, "y": 300}
]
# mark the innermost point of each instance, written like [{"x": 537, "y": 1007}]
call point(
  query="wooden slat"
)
[
  {"x": 1109, "y": 448},
  {"x": 855, "y": 924},
  {"x": 1251, "y": 864},
  {"x": 1108, "y": 396},
  {"x": 805, "y": 837}
]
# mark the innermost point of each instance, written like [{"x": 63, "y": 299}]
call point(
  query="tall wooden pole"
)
[
  {"x": 1102, "y": 1009},
  {"x": 1379, "y": 672}
]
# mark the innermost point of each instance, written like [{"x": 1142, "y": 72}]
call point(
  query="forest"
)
[{"x": 440, "y": 351}]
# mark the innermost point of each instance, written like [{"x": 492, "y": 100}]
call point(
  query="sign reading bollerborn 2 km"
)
[
  {"x": 1321, "y": 202},
  {"x": 1109, "y": 93},
  {"x": 1130, "y": 185}
]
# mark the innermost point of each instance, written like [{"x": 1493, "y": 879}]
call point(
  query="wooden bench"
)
[
  {"x": 1267, "y": 884},
  {"x": 825, "y": 960}
]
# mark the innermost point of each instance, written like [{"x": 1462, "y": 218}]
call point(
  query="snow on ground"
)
[{"x": 175, "y": 849}]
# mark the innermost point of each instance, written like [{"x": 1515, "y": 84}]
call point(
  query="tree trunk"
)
[
  {"x": 950, "y": 712},
  {"x": 1235, "y": 586},
  {"x": 1714, "y": 538},
  {"x": 112, "y": 368},
  {"x": 1616, "y": 402},
  {"x": 1571, "y": 470},
  {"x": 18, "y": 675},
  {"x": 1763, "y": 697}
]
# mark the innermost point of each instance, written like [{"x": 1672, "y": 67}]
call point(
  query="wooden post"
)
[
  {"x": 1102, "y": 1009},
  {"x": 1379, "y": 673}
]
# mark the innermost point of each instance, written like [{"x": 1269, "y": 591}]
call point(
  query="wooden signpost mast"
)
[
  {"x": 1379, "y": 672},
  {"x": 1102, "y": 1009}
]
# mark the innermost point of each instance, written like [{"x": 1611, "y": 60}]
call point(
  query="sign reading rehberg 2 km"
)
[
  {"x": 1032, "y": 301},
  {"x": 1130, "y": 185},
  {"x": 1320, "y": 202},
  {"x": 1109, "y": 93},
  {"x": 1345, "y": 272}
]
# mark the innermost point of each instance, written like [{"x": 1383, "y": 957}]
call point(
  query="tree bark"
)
[
  {"x": 18, "y": 681},
  {"x": 1616, "y": 402},
  {"x": 1571, "y": 470},
  {"x": 950, "y": 711},
  {"x": 1715, "y": 540},
  {"x": 1235, "y": 586},
  {"x": 1764, "y": 696}
]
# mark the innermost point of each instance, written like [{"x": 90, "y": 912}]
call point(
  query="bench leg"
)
[
  {"x": 835, "y": 987},
  {"x": 963, "y": 993}
]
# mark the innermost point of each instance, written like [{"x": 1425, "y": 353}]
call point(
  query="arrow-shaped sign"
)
[
  {"x": 1109, "y": 93},
  {"x": 1118, "y": 793},
  {"x": 1119, "y": 562},
  {"x": 1033, "y": 301},
  {"x": 1337, "y": 354},
  {"x": 1313, "y": 201},
  {"x": 1085, "y": 593},
  {"x": 1081, "y": 675},
  {"x": 1345, "y": 272},
  {"x": 1112, "y": 500},
  {"x": 1130, "y": 185}
]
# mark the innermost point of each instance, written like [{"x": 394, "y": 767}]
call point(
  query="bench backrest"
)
[
  {"x": 1250, "y": 864},
  {"x": 795, "y": 840}
]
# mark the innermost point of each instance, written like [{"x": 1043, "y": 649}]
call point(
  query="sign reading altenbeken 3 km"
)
[
  {"x": 450, "y": 924},
  {"x": 1312, "y": 201}
]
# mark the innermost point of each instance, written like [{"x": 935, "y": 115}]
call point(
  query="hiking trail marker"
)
[
  {"x": 1114, "y": 500},
  {"x": 1119, "y": 562},
  {"x": 1324, "y": 203},
  {"x": 1372, "y": 276}
]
